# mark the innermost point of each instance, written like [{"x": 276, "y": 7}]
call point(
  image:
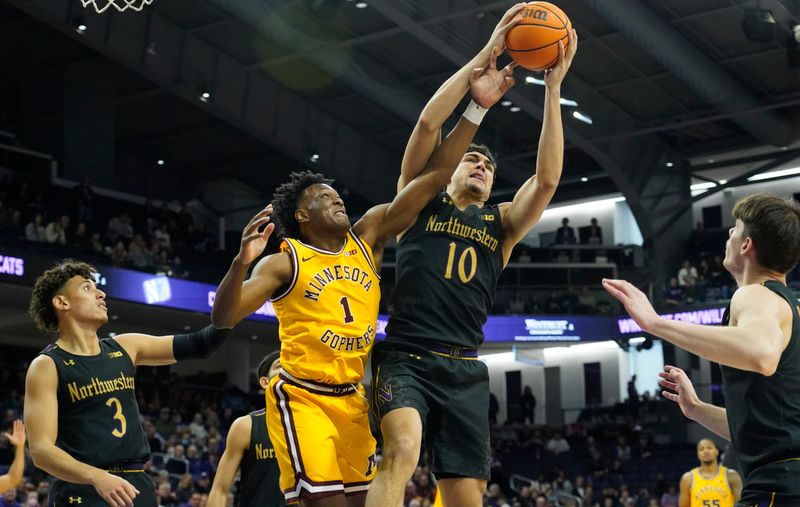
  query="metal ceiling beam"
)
[
  {"x": 257, "y": 105},
  {"x": 639, "y": 23}
]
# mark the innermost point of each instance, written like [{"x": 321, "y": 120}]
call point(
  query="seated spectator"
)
[
  {"x": 592, "y": 234},
  {"x": 120, "y": 227},
  {"x": 203, "y": 484},
  {"x": 119, "y": 255},
  {"x": 692, "y": 293},
  {"x": 670, "y": 498},
  {"x": 139, "y": 254},
  {"x": 13, "y": 229},
  {"x": 96, "y": 243},
  {"x": 164, "y": 495},
  {"x": 194, "y": 500},
  {"x": 516, "y": 305},
  {"x": 161, "y": 236},
  {"x": 80, "y": 238},
  {"x": 557, "y": 444},
  {"x": 34, "y": 231},
  {"x": 686, "y": 271},
  {"x": 673, "y": 294},
  {"x": 553, "y": 303},
  {"x": 178, "y": 269},
  {"x": 183, "y": 492},
  {"x": 586, "y": 300},
  {"x": 623, "y": 449},
  {"x": 56, "y": 231},
  {"x": 565, "y": 235}
]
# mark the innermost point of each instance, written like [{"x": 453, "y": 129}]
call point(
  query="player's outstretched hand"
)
[
  {"x": 17, "y": 436},
  {"x": 488, "y": 85},
  {"x": 636, "y": 303},
  {"x": 509, "y": 19},
  {"x": 115, "y": 490},
  {"x": 679, "y": 388},
  {"x": 254, "y": 238},
  {"x": 553, "y": 77}
]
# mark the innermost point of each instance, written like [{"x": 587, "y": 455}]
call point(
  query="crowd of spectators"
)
[
  {"x": 555, "y": 302},
  {"x": 77, "y": 222},
  {"x": 606, "y": 458}
]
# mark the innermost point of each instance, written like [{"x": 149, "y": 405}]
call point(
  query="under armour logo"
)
[
  {"x": 70, "y": 362},
  {"x": 384, "y": 394},
  {"x": 75, "y": 499},
  {"x": 117, "y": 353}
]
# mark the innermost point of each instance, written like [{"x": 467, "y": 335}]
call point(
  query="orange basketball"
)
[{"x": 533, "y": 42}]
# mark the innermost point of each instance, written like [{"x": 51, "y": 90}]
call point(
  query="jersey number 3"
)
[
  {"x": 123, "y": 424},
  {"x": 462, "y": 261}
]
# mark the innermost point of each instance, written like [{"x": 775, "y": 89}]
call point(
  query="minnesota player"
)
[
  {"x": 710, "y": 484},
  {"x": 426, "y": 372},
  {"x": 324, "y": 286},
  {"x": 80, "y": 406},
  {"x": 248, "y": 445}
]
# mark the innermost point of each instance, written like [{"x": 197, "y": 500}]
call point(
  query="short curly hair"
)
[
  {"x": 287, "y": 197},
  {"x": 48, "y": 285}
]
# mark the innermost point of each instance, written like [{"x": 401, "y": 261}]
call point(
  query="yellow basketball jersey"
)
[
  {"x": 715, "y": 492},
  {"x": 328, "y": 314}
]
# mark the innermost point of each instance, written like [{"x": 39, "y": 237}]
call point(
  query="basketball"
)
[{"x": 533, "y": 42}]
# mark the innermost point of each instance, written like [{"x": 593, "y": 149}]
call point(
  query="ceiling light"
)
[
  {"x": 568, "y": 102},
  {"x": 582, "y": 117},
  {"x": 361, "y": 5},
  {"x": 670, "y": 164},
  {"x": 205, "y": 96},
  {"x": 506, "y": 103},
  {"x": 775, "y": 174},
  {"x": 160, "y": 162},
  {"x": 722, "y": 182},
  {"x": 703, "y": 186},
  {"x": 584, "y": 179},
  {"x": 314, "y": 158},
  {"x": 81, "y": 28},
  {"x": 533, "y": 80},
  {"x": 515, "y": 109}
]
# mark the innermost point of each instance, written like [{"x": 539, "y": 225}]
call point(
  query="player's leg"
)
[
  {"x": 462, "y": 491},
  {"x": 355, "y": 447},
  {"x": 400, "y": 402},
  {"x": 303, "y": 436},
  {"x": 402, "y": 438},
  {"x": 461, "y": 453}
]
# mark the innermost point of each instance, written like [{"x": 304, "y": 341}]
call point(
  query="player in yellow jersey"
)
[
  {"x": 324, "y": 286},
  {"x": 710, "y": 484}
]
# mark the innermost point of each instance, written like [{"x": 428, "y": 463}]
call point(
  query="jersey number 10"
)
[{"x": 462, "y": 261}]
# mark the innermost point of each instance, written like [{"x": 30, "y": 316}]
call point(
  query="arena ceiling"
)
[{"x": 290, "y": 79}]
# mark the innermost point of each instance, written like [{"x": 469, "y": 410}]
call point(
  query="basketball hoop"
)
[{"x": 121, "y": 5}]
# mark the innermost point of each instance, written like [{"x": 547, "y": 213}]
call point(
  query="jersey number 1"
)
[
  {"x": 462, "y": 261},
  {"x": 348, "y": 315}
]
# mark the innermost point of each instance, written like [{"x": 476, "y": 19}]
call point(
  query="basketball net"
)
[{"x": 121, "y": 5}]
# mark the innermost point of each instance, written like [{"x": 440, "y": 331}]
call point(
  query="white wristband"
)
[{"x": 474, "y": 113}]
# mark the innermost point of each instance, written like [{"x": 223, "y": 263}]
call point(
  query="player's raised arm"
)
[
  {"x": 532, "y": 198},
  {"x": 235, "y": 446},
  {"x": 237, "y": 298},
  {"x": 41, "y": 417},
  {"x": 426, "y": 135},
  {"x": 15, "y": 472}
]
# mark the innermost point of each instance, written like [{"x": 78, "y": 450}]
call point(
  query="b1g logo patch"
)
[{"x": 384, "y": 394}]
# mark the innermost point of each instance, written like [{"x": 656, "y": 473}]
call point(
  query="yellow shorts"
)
[{"x": 322, "y": 442}]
